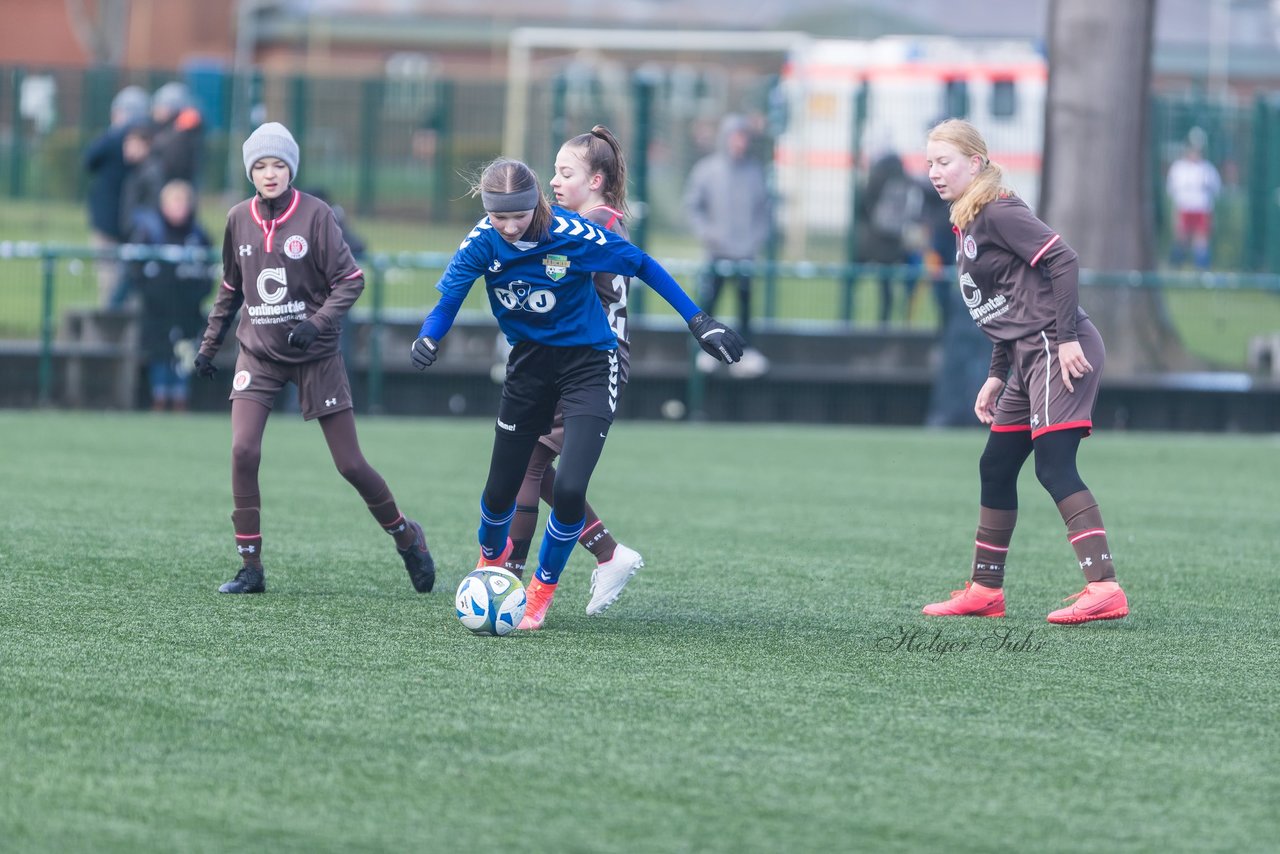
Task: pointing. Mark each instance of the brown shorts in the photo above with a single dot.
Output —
(1035, 398)
(323, 387)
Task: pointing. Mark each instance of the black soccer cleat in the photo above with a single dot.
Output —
(250, 579)
(417, 560)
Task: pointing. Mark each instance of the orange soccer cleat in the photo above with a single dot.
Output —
(1099, 600)
(497, 561)
(973, 601)
(537, 601)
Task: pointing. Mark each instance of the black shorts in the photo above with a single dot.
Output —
(554, 439)
(583, 381)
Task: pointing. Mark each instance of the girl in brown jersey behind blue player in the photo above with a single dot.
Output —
(285, 261)
(591, 180)
(1020, 283)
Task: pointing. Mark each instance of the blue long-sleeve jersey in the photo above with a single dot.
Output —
(543, 291)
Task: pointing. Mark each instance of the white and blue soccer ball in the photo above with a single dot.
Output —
(490, 601)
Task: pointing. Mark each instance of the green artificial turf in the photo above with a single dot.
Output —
(766, 683)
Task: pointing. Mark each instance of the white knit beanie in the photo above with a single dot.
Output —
(271, 140)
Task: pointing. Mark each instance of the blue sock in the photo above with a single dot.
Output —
(493, 530)
(558, 541)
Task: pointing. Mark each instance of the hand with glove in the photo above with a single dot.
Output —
(205, 366)
(716, 338)
(423, 352)
(303, 335)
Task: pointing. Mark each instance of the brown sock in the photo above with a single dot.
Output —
(523, 525)
(1087, 536)
(384, 510)
(539, 479)
(400, 530)
(596, 538)
(248, 533)
(991, 545)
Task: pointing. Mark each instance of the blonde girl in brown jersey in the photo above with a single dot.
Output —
(1020, 282)
(591, 180)
(285, 261)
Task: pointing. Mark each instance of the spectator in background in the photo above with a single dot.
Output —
(178, 140)
(107, 166)
(171, 290)
(1193, 185)
(355, 242)
(727, 205)
(889, 216)
(964, 353)
(139, 195)
(939, 243)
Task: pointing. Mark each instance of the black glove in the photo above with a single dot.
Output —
(303, 335)
(205, 366)
(716, 338)
(423, 352)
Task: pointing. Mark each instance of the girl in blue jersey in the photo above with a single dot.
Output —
(538, 263)
(591, 180)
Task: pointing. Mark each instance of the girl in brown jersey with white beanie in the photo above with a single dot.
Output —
(1020, 282)
(285, 261)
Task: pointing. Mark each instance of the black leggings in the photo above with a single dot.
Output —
(584, 437)
(1005, 453)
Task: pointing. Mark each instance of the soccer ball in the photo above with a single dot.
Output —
(490, 601)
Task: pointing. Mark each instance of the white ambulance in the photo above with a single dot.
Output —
(825, 143)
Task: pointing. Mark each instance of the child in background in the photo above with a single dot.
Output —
(172, 290)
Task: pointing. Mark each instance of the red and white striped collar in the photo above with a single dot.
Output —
(288, 212)
(269, 226)
(617, 214)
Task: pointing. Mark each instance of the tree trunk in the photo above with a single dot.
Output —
(102, 32)
(1095, 189)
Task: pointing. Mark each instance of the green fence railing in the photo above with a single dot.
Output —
(836, 314)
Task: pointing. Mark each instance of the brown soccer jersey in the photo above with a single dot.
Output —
(614, 290)
(284, 261)
(1018, 278)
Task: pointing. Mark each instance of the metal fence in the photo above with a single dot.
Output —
(392, 152)
(395, 149)
(46, 291)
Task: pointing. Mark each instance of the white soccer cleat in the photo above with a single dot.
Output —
(608, 578)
